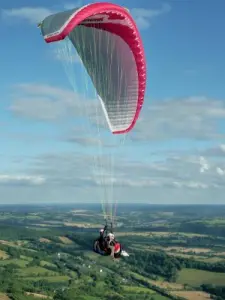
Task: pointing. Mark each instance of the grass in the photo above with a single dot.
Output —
(92, 298)
(19, 262)
(33, 271)
(160, 297)
(23, 257)
(160, 283)
(197, 257)
(91, 255)
(214, 259)
(137, 289)
(48, 278)
(185, 254)
(33, 217)
(186, 250)
(46, 263)
(215, 221)
(145, 234)
(195, 277)
(17, 244)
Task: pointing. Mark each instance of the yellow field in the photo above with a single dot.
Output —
(78, 210)
(220, 253)
(44, 240)
(146, 234)
(192, 295)
(4, 297)
(65, 240)
(199, 258)
(184, 253)
(12, 244)
(3, 255)
(167, 285)
(185, 250)
(160, 234)
(161, 284)
(45, 225)
(82, 225)
(37, 295)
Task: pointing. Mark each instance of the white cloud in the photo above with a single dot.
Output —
(189, 118)
(80, 169)
(193, 118)
(182, 176)
(218, 151)
(85, 141)
(220, 171)
(11, 180)
(143, 16)
(45, 102)
(35, 15)
(68, 175)
(32, 15)
(73, 5)
(204, 166)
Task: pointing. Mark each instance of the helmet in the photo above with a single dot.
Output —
(111, 236)
(101, 230)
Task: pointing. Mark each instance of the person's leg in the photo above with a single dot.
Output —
(112, 250)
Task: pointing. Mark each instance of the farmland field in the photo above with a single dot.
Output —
(195, 277)
(46, 257)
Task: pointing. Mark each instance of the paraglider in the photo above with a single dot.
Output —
(107, 245)
(110, 49)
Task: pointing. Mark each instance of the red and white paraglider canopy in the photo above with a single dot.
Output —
(110, 47)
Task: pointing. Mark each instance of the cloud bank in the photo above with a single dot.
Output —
(139, 173)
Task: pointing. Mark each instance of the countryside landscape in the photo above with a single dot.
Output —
(176, 252)
(112, 111)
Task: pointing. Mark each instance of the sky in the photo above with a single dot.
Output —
(176, 152)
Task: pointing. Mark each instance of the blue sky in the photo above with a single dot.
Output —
(176, 152)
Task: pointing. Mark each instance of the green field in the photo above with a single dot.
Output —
(46, 263)
(33, 271)
(49, 279)
(137, 289)
(215, 221)
(23, 257)
(20, 262)
(166, 256)
(160, 297)
(195, 277)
